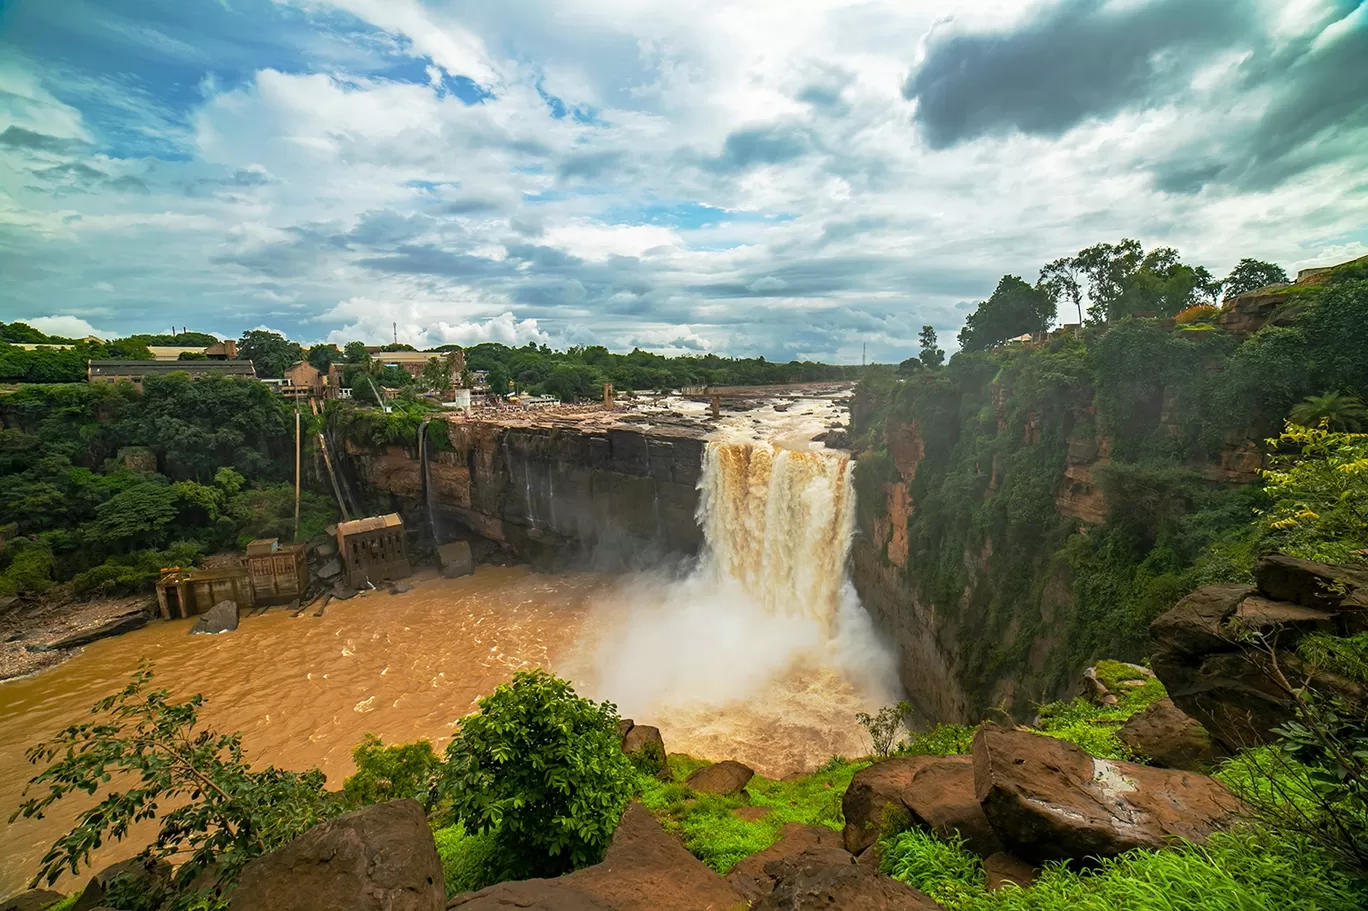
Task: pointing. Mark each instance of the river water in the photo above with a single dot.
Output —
(761, 654)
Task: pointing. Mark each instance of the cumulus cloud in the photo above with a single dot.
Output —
(793, 180)
(67, 327)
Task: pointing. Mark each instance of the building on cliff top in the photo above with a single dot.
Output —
(137, 371)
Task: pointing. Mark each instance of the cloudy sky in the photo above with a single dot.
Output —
(792, 178)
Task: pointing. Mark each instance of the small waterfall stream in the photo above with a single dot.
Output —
(424, 457)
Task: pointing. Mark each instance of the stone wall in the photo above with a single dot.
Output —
(614, 496)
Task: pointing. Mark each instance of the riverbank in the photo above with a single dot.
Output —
(38, 635)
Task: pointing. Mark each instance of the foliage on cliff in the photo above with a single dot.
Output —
(1124, 424)
(103, 485)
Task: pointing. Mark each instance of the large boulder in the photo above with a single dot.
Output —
(931, 792)
(1049, 800)
(221, 618)
(725, 777)
(1231, 687)
(813, 881)
(643, 743)
(139, 874)
(32, 900)
(645, 869)
(455, 559)
(1169, 738)
(754, 877)
(379, 858)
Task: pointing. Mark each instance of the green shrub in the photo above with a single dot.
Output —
(469, 862)
(388, 773)
(543, 769)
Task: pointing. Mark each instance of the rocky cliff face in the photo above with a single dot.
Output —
(618, 494)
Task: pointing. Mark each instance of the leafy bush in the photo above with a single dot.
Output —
(154, 751)
(469, 862)
(391, 772)
(542, 769)
(1318, 490)
(883, 728)
(131, 572)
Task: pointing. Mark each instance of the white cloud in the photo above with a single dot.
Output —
(67, 327)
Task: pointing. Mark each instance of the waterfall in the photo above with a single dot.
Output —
(423, 459)
(778, 522)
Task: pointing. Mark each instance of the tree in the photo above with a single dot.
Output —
(909, 366)
(1208, 285)
(270, 352)
(1059, 280)
(1317, 487)
(1335, 410)
(436, 375)
(321, 357)
(931, 355)
(391, 772)
(356, 353)
(146, 751)
(543, 769)
(498, 380)
(1251, 275)
(1109, 268)
(1015, 308)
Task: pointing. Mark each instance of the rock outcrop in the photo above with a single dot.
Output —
(1004, 869)
(556, 492)
(221, 618)
(137, 874)
(931, 792)
(1229, 684)
(644, 744)
(813, 880)
(725, 777)
(32, 900)
(1049, 800)
(380, 858)
(1169, 738)
(755, 876)
(645, 869)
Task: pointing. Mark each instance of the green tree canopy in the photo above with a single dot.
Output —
(1015, 308)
(931, 353)
(270, 352)
(1251, 275)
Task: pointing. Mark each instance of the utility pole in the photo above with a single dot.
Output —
(864, 354)
(296, 525)
(395, 326)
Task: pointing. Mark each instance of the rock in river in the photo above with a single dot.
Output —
(221, 618)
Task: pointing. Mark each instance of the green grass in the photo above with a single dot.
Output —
(942, 740)
(1343, 655)
(710, 830)
(1236, 871)
(65, 904)
(1094, 727)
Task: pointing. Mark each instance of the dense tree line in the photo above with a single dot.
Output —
(103, 485)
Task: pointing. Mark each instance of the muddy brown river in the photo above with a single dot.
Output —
(304, 690)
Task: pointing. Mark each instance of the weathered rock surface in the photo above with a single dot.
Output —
(221, 618)
(529, 895)
(725, 777)
(116, 626)
(1169, 738)
(646, 747)
(933, 792)
(814, 880)
(754, 877)
(1049, 800)
(32, 900)
(331, 569)
(552, 491)
(645, 869)
(1006, 869)
(1227, 685)
(455, 559)
(380, 858)
(144, 876)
